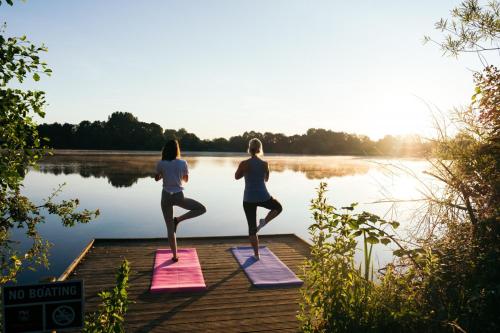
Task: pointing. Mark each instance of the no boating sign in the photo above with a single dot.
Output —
(43, 307)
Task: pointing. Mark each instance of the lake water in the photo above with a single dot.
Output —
(121, 185)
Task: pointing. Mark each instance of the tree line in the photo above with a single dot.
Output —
(123, 131)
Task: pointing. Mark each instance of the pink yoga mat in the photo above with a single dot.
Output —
(184, 275)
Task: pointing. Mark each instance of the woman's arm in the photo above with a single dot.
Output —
(185, 172)
(158, 175)
(240, 172)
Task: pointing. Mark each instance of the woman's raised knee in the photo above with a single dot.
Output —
(278, 208)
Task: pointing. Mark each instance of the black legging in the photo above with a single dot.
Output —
(251, 212)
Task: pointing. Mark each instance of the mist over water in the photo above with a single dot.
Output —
(121, 185)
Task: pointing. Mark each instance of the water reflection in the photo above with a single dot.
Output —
(120, 170)
(130, 208)
(125, 169)
(320, 167)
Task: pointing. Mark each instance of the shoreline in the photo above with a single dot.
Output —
(92, 152)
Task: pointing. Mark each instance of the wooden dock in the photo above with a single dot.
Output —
(230, 303)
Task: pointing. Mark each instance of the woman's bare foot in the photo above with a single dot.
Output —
(175, 259)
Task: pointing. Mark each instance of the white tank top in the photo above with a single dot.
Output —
(172, 173)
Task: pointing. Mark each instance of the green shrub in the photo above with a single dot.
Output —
(449, 281)
(110, 316)
(340, 296)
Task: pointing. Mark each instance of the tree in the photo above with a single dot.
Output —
(472, 28)
(20, 148)
(447, 277)
(466, 211)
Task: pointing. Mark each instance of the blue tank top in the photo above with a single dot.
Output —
(255, 186)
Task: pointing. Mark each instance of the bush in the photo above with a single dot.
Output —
(111, 313)
(340, 296)
(449, 281)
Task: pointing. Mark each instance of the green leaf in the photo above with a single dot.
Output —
(117, 316)
(353, 225)
(394, 224)
(399, 252)
(36, 77)
(385, 241)
(372, 240)
(358, 233)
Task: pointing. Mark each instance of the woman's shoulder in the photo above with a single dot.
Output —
(180, 163)
(177, 163)
(264, 164)
(243, 164)
(261, 160)
(165, 162)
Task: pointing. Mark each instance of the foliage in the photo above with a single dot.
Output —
(338, 296)
(486, 101)
(19, 138)
(471, 26)
(467, 280)
(20, 148)
(110, 316)
(468, 162)
(122, 130)
(449, 281)
(464, 290)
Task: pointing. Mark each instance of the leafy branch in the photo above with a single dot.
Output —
(470, 26)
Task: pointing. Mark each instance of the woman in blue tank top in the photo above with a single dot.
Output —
(256, 173)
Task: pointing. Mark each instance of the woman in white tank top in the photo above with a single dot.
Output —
(174, 172)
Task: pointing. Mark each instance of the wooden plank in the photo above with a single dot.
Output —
(212, 239)
(229, 304)
(75, 262)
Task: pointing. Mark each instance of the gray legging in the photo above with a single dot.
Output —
(168, 201)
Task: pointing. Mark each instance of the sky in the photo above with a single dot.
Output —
(219, 68)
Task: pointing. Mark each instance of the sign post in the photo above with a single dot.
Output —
(43, 307)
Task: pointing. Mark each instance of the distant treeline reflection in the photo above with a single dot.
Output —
(121, 171)
(123, 131)
(124, 170)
